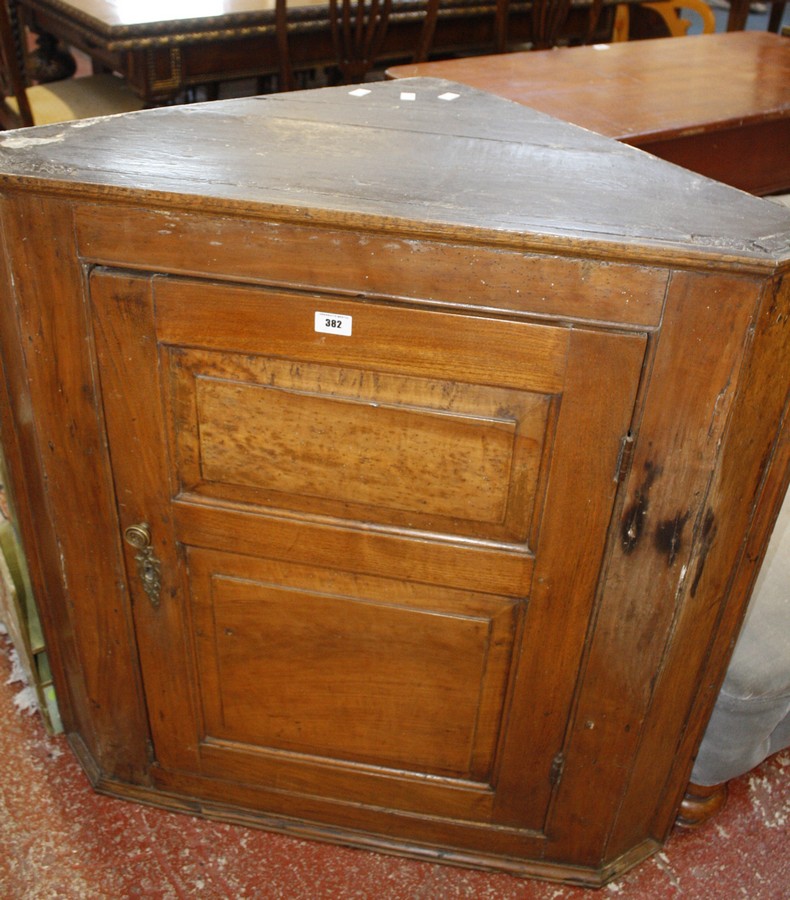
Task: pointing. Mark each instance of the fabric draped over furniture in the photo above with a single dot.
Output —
(751, 718)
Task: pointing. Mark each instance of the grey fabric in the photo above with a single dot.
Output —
(751, 719)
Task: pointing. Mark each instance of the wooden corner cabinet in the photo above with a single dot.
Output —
(393, 464)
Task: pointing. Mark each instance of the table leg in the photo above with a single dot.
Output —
(50, 61)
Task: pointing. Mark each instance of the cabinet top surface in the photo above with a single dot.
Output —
(423, 155)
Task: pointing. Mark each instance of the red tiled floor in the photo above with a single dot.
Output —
(60, 840)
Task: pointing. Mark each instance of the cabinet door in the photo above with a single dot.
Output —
(376, 534)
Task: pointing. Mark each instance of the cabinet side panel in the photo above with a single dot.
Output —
(750, 484)
(26, 486)
(73, 522)
(653, 545)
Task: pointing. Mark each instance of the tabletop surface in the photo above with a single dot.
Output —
(655, 87)
(113, 19)
(443, 158)
(121, 13)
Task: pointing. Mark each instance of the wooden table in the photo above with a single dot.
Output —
(161, 50)
(717, 104)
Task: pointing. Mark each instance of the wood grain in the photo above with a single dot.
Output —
(69, 471)
(655, 94)
(630, 198)
(460, 583)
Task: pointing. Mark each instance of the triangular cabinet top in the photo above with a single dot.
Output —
(421, 156)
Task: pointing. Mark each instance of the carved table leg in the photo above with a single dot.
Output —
(700, 803)
(50, 61)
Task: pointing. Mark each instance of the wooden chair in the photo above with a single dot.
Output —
(501, 18)
(776, 16)
(739, 13)
(425, 41)
(548, 21)
(286, 73)
(59, 101)
(358, 30)
(670, 12)
(428, 29)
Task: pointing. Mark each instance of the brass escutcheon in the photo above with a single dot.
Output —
(149, 568)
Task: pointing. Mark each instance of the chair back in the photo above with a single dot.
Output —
(358, 30)
(426, 35)
(286, 73)
(548, 19)
(671, 11)
(12, 79)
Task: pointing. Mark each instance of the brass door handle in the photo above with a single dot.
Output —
(149, 568)
(139, 536)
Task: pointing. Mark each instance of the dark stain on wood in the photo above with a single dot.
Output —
(669, 536)
(633, 522)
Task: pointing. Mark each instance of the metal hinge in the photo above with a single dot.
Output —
(557, 765)
(624, 457)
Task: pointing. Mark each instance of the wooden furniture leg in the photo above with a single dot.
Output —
(700, 804)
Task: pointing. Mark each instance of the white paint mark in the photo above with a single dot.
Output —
(760, 790)
(359, 92)
(22, 142)
(600, 46)
(661, 860)
(408, 95)
(449, 95)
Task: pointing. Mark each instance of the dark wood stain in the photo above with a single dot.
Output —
(633, 522)
(669, 536)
